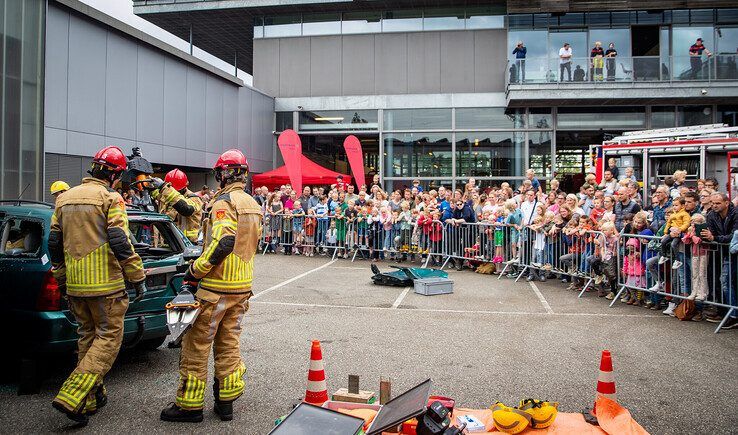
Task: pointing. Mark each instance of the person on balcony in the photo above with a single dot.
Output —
(611, 66)
(695, 57)
(598, 62)
(565, 54)
(520, 51)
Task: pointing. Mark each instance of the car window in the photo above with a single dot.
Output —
(153, 240)
(21, 238)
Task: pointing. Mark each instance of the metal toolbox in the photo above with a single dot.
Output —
(434, 286)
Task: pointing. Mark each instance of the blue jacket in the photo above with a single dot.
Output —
(520, 52)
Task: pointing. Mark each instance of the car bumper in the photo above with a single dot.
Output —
(56, 331)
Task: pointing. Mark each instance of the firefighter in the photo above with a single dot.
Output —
(179, 203)
(222, 278)
(92, 259)
(57, 188)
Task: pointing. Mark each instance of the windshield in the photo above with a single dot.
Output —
(155, 239)
(21, 238)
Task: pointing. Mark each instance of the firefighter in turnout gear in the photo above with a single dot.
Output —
(92, 259)
(179, 203)
(222, 278)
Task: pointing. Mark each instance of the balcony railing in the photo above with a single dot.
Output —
(720, 67)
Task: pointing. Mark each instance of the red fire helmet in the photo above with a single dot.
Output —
(232, 159)
(112, 157)
(177, 179)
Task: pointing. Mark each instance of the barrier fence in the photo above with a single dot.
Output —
(635, 269)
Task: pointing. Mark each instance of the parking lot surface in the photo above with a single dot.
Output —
(491, 340)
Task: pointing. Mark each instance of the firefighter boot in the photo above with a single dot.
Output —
(96, 401)
(176, 414)
(78, 417)
(224, 410)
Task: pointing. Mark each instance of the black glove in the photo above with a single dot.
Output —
(140, 288)
(155, 183)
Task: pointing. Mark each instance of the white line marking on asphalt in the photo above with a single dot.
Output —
(284, 283)
(349, 267)
(399, 299)
(431, 310)
(543, 300)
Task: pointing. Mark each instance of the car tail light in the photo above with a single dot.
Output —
(49, 299)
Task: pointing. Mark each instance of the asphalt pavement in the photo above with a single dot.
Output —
(492, 340)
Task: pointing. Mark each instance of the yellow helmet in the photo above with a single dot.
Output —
(542, 413)
(58, 187)
(509, 420)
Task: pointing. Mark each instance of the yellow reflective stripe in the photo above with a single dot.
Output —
(76, 388)
(233, 384)
(96, 288)
(171, 196)
(194, 393)
(227, 223)
(226, 285)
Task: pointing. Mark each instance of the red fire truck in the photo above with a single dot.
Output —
(704, 151)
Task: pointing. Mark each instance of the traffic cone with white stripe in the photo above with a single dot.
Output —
(317, 390)
(605, 385)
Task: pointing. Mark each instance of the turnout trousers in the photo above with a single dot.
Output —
(100, 330)
(218, 326)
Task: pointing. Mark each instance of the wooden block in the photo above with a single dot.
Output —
(385, 391)
(343, 395)
(353, 384)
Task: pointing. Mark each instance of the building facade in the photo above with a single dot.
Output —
(434, 91)
(76, 80)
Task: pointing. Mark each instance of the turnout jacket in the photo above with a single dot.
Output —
(184, 209)
(232, 231)
(89, 246)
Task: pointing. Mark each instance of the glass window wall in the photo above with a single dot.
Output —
(417, 119)
(579, 52)
(591, 118)
(694, 115)
(287, 25)
(339, 120)
(444, 19)
(728, 115)
(540, 157)
(614, 68)
(540, 118)
(418, 155)
(321, 24)
(485, 18)
(488, 154)
(663, 117)
(284, 121)
(685, 66)
(361, 22)
(489, 117)
(402, 21)
(536, 63)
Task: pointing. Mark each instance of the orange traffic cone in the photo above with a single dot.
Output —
(317, 390)
(605, 385)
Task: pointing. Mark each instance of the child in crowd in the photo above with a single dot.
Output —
(676, 226)
(387, 218)
(362, 226)
(539, 245)
(405, 230)
(699, 258)
(309, 231)
(298, 221)
(499, 235)
(287, 237)
(323, 221)
(604, 265)
(340, 220)
(633, 269)
(513, 221)
(331, 235)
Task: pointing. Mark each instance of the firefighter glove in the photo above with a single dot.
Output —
(140, 288)
(156, 183)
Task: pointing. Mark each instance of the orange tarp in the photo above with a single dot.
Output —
(613, 419)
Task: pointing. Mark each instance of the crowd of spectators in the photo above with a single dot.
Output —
(673, 240)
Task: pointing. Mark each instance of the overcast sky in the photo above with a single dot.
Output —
(123, 10)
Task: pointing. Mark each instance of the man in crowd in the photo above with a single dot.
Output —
(307, 201)
(350, 195)
(623, 207)
(722, 223)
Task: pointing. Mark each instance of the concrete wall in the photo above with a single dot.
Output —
(382, 64)
(104, 87)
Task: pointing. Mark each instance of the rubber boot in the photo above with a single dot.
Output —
(78, 417)
(224, 410)
(176, 414)
(101, 399)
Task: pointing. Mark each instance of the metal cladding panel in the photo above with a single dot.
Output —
(294, 67)
(245, 127)
(266, 65)
(86, 77)
(325, 65)
(457, 68)
(230, 117)
(174, 156)
(489, 60)
(84, 144)
(175, 103)
(55, 140)
(391, 63)
(150, 96)
(213, 115)
(424, 63)
(195, 109)
(57, 62)
(357, 74)
(120, 87)
(262, 139)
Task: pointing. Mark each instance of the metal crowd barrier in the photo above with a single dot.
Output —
(674, 271)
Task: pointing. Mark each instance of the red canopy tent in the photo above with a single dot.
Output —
(312, 174)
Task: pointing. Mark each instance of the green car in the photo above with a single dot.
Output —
(30, 301)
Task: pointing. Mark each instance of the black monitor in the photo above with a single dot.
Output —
(407, 405)
(308, 419)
